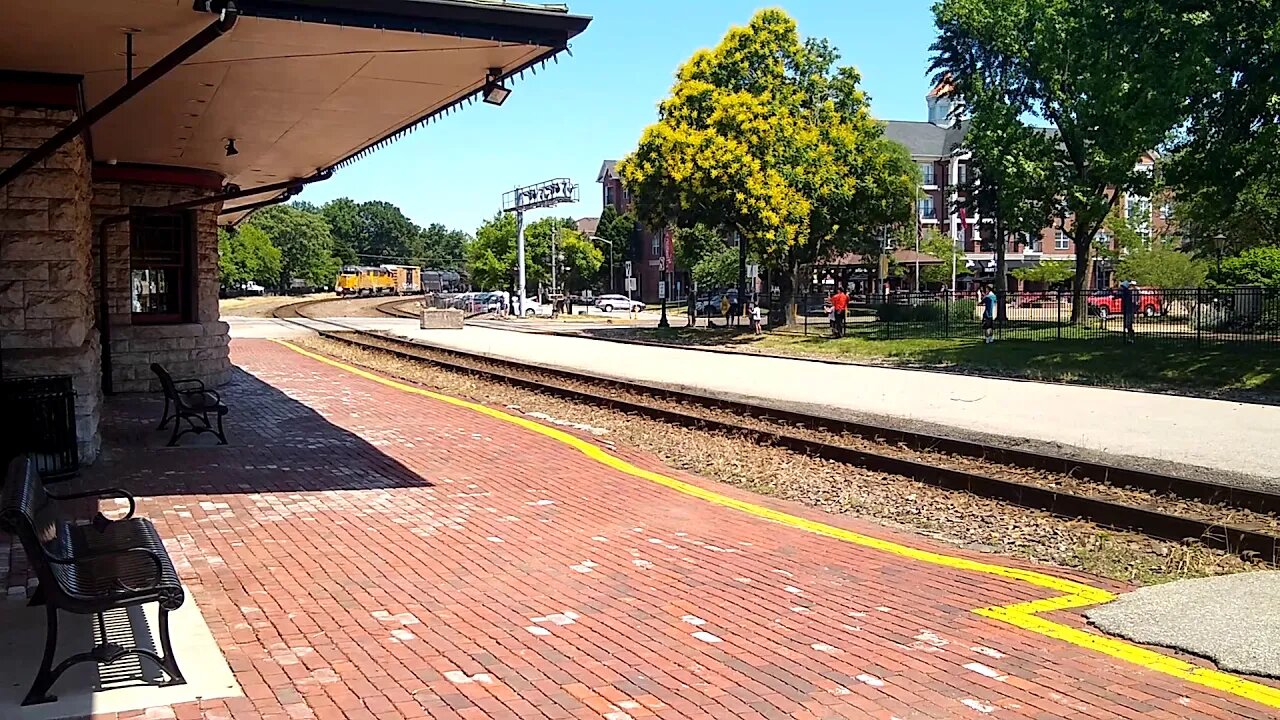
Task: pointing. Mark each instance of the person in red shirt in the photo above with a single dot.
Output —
(839, 309)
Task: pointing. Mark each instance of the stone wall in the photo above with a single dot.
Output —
(187, 350)
(46, 305)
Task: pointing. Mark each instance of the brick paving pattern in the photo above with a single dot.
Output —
(361, 552)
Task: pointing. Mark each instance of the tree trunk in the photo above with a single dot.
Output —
(1084, 268)
(787, 294)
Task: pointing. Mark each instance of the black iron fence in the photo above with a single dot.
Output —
(41, 421)
(1195, 315)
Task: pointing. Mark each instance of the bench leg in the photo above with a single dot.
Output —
(169, 663)
(177, 425)
(39, 692)
(164, 419)
(222, 437)
(37, 598)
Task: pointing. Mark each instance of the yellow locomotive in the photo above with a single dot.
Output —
(384, 280)
(362, 281)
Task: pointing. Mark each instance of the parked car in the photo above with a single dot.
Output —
(710, 304)
(608, 302)
(1106, 303)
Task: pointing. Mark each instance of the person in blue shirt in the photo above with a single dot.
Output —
(988, 312)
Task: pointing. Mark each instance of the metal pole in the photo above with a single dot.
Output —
(612, 271)
(175, 58)
(919, 230)
(555, 231)
(519, 304)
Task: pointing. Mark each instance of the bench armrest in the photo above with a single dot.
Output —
(121, 584)
(100, 493)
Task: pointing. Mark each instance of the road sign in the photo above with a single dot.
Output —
(631, 284)
(662, 289)
(753, 270)
(627, 266)
(662, 264)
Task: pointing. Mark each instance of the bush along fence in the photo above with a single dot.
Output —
(1239, 315)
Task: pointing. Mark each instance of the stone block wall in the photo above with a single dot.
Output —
(198, 349)
(46, 304)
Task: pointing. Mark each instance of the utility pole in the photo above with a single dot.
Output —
(555, 233)
(519, 304)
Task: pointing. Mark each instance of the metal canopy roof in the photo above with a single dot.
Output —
(299, 84)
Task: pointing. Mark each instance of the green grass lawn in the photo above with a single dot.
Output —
(1246, 372)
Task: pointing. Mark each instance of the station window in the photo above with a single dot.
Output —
(1060, 241)
(161, 261)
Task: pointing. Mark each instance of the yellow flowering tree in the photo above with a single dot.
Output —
(766, 135)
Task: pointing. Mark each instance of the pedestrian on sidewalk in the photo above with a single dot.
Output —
(989, 301)
(725, 308)
(755, 318)
(839, 311)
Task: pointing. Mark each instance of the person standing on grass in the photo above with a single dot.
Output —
(839, 311)
(754, 309)
(725, 308)
(989, 301)
(1128, 307)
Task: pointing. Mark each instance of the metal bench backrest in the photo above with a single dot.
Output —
(166, 380)
(26, 511)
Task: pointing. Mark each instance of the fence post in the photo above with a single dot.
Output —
(1199, 323)
(946, 314)
(1058, 304)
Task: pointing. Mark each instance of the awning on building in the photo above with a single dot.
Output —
(901, 257)
(300, 85)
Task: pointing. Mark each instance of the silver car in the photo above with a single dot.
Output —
(607, 303)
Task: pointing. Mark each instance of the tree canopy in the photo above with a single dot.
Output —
(1073, 63)
(766, 135)
(304, 241)
(491, 257)
(246, 255)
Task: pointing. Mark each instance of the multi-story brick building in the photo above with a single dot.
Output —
(646, 245)
(937, 144)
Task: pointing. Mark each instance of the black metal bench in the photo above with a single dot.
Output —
(191, 402)
(88, 569)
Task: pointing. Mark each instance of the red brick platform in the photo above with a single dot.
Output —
(363, 552)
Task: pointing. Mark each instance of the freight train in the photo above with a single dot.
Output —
(381, 280)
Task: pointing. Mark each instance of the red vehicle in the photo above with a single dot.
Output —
(1106, 303)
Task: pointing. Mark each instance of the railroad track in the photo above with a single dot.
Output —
(1229, 518)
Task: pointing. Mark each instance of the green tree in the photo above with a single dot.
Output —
(943, 248)
(246, 255)
(1255, 266)
(581, 261)
(1162, 267)
(373, 233)
(491, 257)
(620, 229)
(442, 248)
(343, 216)
(1097, 70)
(716, 269)
(1050, 272)
(1223, 169)
(1012, 168)
(766, 135)
(306, 247)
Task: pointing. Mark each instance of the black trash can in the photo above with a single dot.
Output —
(40, 420)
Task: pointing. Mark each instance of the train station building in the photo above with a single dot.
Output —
(130, 130)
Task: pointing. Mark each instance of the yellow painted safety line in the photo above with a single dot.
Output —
(1024, 615)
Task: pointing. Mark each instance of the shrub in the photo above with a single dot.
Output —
(961, 311)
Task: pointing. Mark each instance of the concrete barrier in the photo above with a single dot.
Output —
(434, 319)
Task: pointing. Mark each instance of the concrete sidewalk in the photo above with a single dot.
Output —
(1236, 438)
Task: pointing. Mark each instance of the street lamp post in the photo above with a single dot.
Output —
(611, 283)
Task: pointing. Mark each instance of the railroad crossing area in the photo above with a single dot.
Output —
(365, 547)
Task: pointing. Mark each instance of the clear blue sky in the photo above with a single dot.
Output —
(592, 106)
